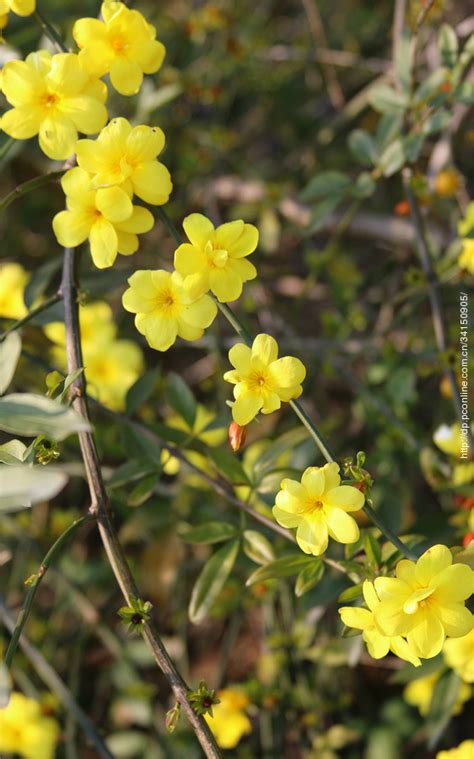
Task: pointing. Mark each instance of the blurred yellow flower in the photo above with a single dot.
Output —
(466, 225)
(20, 7)
(419, 693)
(425, 601)
(111, 366)
(164, 310)
(229, 722)
(318, 507)
(459, 655)
(211, 437)
(466, 257)
(104, 216)
(55, 97)
(463, 474)
(448, 439)
(126, 156)
(262, 380)
(124, 44)
(465, 750)
(378, 644)
(447, 183)
(24, 731)
(215, 259)
(13, 279)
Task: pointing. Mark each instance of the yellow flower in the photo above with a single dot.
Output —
(55, 97)
(447, 183)
(106, 217)
(425, 601)
(199, 431)
(214, 259)
(13, 279)
(20, 7)
(466, 258)
(318, 507)
(229, 722)
(25, 731)
(466, 225)
(123, 44)
(126, 156)
(164, 310)
(262, 380)
(465, 750)
(448, 439)
(463, 474)
(111, 366)
(378, 644)
(419, 693)
(459, 655)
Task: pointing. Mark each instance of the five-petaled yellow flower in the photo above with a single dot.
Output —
(126, 156)
(124, 44)
(419, 693)
(13, 279)
(465, 750)
(53, 96)
(106, 217)
(25, 731)
(318, 507)
(20, 7)
(164, 310)
(425, 601)
(262, 380)
(459, 655)
(229, 722)
(215, 259)
(378, 644)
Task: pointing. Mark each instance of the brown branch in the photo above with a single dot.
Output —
(100, 510)
(318, 34)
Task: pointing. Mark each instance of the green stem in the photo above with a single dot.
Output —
(374, 517)
(33, 589)
(6, 147)
(29, 186)
(31, 314)
(49, 31)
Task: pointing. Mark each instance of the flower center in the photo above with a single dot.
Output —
(216, 257)
(418, 600)
(258, 382)
(49, 99)
(119, 44)
(166, 301)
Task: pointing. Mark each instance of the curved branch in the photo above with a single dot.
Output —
(29, 186)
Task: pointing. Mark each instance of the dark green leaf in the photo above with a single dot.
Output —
(228, 465)
(443, 702)
(143, 490)
(448, 45)
(372, 548)
(10, 350)
(388, 129)
(325, 184)
(40, 281)
(30, 415)
(362, 146)
(309, 577)
(209, 532)
(269, 458)
(286, 566)
(320, 213)
(365, 185)
(141, 391)
(130, 471)
(181, 399)
(211, 580)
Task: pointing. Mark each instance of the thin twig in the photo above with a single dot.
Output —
(318, 34)
(49, 31)
(29, 186)
(32, 314)
(56, 685)
(99, 509)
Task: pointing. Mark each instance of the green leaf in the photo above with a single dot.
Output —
(10, 350)
(404, 60)
(23, 485)
(365, 185)
(181, 399)
(309, 577)
(70, 379)
(209, 532)
(388, 128)
(269, 458)
(430, 86)
(448, 45)
(392, 158)
(436, 122)
(141, 390)
(229, 465)
(40, 280)
(286, 566)
(442, 706)
(30, 415)
(372, 548)
(131, 471)
(362, 146)
(257, 547)
(351, 594)
(143, 490)
(412, 145)
(12, 452)
(320, 213)
(211, 580)
(385, 99)
(327, 183)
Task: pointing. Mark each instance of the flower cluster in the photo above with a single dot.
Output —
(111, 365)
(25, 731)
(319, 507)
(424, 603)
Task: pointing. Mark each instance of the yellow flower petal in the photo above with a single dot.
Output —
(246, 408)
(198, 229)
(104, 244)
(21, 123)
(114, 204)
(227, 234)
(285, 518)
(126, 76)
(288, 371)
(225, 285)
(144, 143)
(352, 616)
(341, 526)
(239, 357)
(159, 331)
(313, 481)
(87, 114)
(427, 638)
(58, 137)
(138, 223)
(345, 497)
(433, 561)
(265, 348)
(71, 228)
(246, 243)
(312, 536)
(152, 183)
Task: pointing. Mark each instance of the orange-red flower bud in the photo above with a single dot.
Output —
(237, 436)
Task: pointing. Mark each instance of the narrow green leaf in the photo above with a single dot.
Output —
(141, 391)
(284, 443)
(372, 548)
(23, 485)
(388, 129)
(143, 490)
(181, 399)
(211, 580)
(404, 60)
(228, 464)
(257, 547)
(130, 471)
(309, 577)
(209, 532)
(351, 594)
(10, 350)
(442, 706)
(12, 452)
(30, 415)
(286, 566)
(448, 45)
(40, 281)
